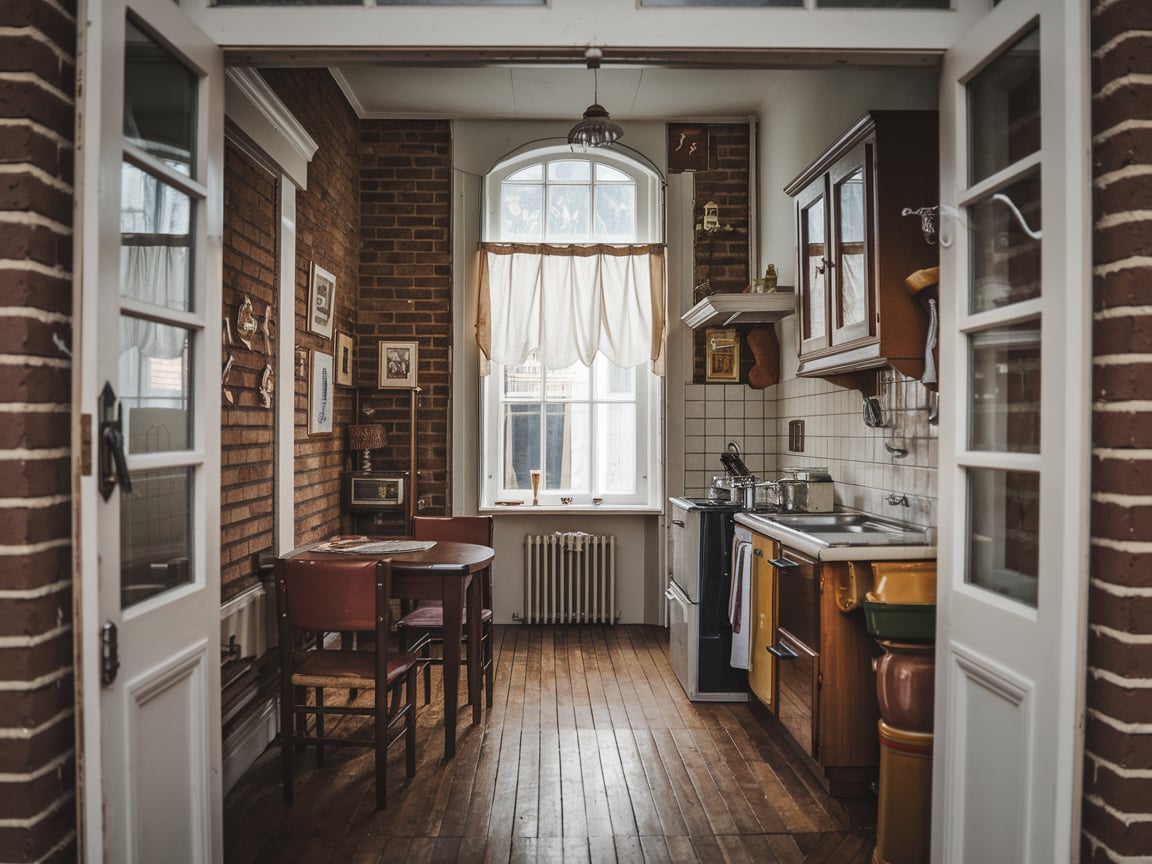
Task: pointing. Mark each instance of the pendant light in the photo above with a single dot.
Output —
(596, 129)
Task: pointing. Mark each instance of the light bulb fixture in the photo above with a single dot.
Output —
(596, 128)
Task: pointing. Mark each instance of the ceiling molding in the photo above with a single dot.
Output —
(257, 110)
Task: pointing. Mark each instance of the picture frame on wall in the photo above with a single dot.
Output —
(397, 364)
(321, 301)
(321, 390)
(722, 355)
(687, 147)
(343, 359)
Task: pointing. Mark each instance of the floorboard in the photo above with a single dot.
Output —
(590, 753)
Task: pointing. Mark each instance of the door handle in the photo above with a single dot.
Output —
(782, 563)
(781, 651)
(679, 523)
(109, 653)
(112, 462)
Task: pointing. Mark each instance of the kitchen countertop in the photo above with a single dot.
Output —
(913, 548)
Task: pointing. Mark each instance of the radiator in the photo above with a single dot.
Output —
(570, 578)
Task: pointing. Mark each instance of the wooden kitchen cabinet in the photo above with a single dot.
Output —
(762, 668)
(856, 248)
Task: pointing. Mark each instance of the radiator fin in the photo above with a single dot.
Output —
(570, 578)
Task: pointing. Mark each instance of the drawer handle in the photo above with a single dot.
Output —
(783, 652)
(678, 523)
(782, 563)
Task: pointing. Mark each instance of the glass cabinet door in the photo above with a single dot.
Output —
(850, 275)
(813, 268)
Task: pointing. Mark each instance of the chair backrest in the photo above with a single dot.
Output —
(334, 594)
(461, 529)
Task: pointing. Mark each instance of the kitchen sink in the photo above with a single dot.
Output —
(850, 529)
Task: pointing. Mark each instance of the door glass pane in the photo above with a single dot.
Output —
(812, 248)
(568, 447)
(521, 445)
(1004, 408)
(1005, 258)
(850, 237)
(1004, 532)
(616, 437)
(154, 386)
(1004, 109)
(155, 534)
(159, 100)
(155, 241)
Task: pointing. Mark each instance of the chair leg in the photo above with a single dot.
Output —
(489, 673)
(286, 742)
(319, 728)
(427, 655)
(410, 723)
(380, 745)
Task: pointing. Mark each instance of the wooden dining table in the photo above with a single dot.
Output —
(448, 572)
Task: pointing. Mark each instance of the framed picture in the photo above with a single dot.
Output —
(722, 355)
(321, 301)
(397, 364)
(321, 390)
(343, 359)
(687, 148)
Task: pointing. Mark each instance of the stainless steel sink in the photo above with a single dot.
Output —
(851, 529)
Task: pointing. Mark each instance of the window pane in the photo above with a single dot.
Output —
(1005, 259)
(612, 381)
(608, 174)
(850, 219)
(155, 532)
(568, 384)
(569, 448)
(533, 173)
(814, 253)
(1003, 532)
(1004, 109)
(568, 214)
(520, 213)
(1005, 391)
(616, 436)
(570, 171)
(154, 369)
(615, 214)
(155, 239)
(523, 382)
(521, 445)
(159, 99)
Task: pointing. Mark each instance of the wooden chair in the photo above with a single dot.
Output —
(343, 594)
(422, 627)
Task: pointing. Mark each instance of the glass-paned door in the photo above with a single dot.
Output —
(1013, 475)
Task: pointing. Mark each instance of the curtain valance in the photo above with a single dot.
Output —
(566, 302)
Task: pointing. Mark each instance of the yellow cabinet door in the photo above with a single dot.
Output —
(762, 670)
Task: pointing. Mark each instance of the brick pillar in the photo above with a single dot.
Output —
(1118, 729)
(37, 710)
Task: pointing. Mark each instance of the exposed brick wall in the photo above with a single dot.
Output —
(37, 714)
(1118, 743)
(247, 435)
(406, 289)
(328, 233)
(721, 258)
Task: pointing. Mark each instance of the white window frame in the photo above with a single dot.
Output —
(649, 387)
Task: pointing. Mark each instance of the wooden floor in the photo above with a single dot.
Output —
(590, 753)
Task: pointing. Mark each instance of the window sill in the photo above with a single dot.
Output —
(572, 509)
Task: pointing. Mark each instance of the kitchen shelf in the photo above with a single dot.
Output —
(720, 310)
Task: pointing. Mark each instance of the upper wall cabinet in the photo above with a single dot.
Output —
(856, 248)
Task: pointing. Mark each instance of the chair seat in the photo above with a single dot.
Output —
(432, 618)
(352, 669)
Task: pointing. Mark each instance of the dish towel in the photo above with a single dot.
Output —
(738, 612)
(930, 361)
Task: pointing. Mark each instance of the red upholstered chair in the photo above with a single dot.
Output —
(341, 594)
(422, 627)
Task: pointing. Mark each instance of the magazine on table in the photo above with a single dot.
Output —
(368, 546)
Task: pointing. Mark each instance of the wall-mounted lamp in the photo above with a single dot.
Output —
(366, 437)
(711, 217)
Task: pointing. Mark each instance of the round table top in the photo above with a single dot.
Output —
(445, 553)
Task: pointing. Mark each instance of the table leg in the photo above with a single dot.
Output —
(475, 654)
(452, 590)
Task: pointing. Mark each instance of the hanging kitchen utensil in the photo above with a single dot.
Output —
(732, 461)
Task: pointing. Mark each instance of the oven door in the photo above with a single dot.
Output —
(798, 700)
(682, 637)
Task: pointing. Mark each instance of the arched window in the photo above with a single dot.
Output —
(592, 431)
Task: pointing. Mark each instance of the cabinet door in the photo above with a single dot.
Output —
(762, 672)
(812, 267)
(850, 273)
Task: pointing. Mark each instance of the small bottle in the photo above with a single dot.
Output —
(770, 279)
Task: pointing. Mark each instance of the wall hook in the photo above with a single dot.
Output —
(927, 221)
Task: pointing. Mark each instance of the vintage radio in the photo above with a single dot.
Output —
(370, 491)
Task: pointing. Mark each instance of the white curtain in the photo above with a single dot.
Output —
(157, 275)
(568, 302)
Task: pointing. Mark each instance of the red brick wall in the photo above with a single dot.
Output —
(247, 434)
(406, 289)
(328, 233)
(37, 795)
(1118, 738)
(722, 257)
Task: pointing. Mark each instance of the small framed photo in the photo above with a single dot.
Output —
(687, 147)
(397, 364)
(321, 391)
(321, 301)
(722, 355)
(343, 359)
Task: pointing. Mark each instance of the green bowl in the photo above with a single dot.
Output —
(909, 622)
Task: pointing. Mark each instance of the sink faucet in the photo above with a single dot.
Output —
(895, 499)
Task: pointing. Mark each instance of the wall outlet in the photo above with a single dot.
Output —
(796, 436)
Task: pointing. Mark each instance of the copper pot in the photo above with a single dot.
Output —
(905, 681)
